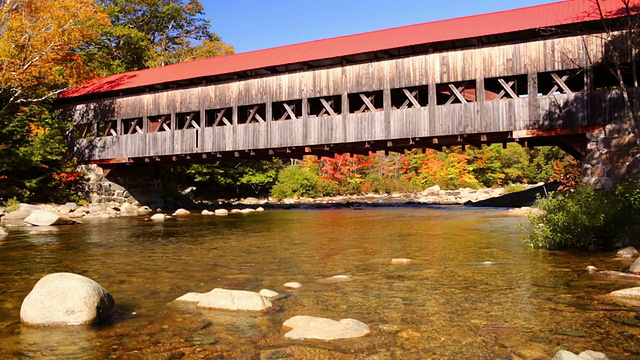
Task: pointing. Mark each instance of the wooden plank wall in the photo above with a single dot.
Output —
(422, 70)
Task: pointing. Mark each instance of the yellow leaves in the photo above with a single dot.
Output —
(39, 41)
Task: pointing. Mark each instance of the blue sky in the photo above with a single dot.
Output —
(259, 24)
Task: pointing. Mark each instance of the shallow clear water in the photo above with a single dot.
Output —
(447, 304)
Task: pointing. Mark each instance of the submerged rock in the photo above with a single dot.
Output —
(401, 261)
(223, 299)
(628, 252)
(234, 300)
(336, 279)
(3, 231)
(48, 218)
(310, 327)
(66, 299)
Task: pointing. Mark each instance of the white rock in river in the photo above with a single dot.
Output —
(628, 252)
(65, 299)
(221, 212)
(191, 297)
(592, 355)
(293, 285)
(310, 327)
(566, 355)
(47, 218)
(401, 261)
(181, 212)
(635, 267)
(627, 293)
(206, 212)
(268, 293)
(336, 279)
(158, 217)
(234, 300)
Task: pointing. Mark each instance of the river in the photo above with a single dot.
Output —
(473, 290)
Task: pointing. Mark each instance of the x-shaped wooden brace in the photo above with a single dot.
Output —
(109, 131)
(410, 99)
(253, 115)
(220, 117)
(507, 89)
(289, 111)
(457, 94)
(328, 107)
(560, 82)
(134, 126)
(367, 100)
(190, 121)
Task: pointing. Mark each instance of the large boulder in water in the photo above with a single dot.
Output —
(66, 299)
(310, 327)
(48, 218)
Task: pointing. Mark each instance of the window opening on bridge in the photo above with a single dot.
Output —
(108, 128)
(160, 123)
(603, 77)
(365, 102)
(251, 114)
(287, 110)
(84, 130)
(325, 106)
(132, 126)
(456, 93)
(189, 120)
(410, 97)
(560, 82)
(510, 87)
(218, 117)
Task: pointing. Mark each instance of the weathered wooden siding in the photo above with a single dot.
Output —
(471, 65)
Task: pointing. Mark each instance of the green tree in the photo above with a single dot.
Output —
(150, 33)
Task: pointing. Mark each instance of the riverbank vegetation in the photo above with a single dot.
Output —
(417, 170)
(588, 218)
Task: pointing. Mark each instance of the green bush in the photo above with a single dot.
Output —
(586, 218)
(295, 181)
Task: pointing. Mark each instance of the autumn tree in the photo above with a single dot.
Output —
(39, 42)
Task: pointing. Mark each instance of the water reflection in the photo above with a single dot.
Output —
(472, 291)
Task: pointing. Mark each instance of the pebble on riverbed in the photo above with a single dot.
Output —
(401, 261)
(293, 285)
(311, 327)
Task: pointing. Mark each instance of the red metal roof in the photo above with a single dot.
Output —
(534, 17)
